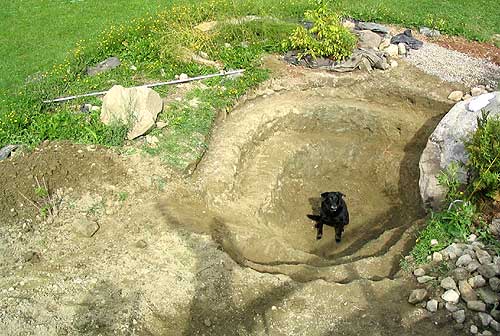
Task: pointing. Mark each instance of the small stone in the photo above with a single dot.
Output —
(495, 284)
(460, 274)
(417, 295)
(466, 291)
(472, 238)
(495, 325)
(473, 329)
(448, 283)
(476, 306)
(152, 140)
(432, 305)
(419, 272)
(451, 307)
(464, 260)
(161, 124)
(85, 227)
(393, 64)
(474, 265)
(434, 242)
(402, 49)
(207, 322)
(141, 244)
(386, 43)
(31, 256)
(227, 45)
(488, 296)
(487, 333)
(451, 296)
(459, 316)
(477, 91)
(477, 281)
(483, 257)
(429, 32)
(348, 24)
(391, 50)
(203, 54)
(425, 278)
(437, 257)
(456, 96)
(467, 97)
(452, 255)
(488, 270)
(133, 68)
(183, 76)
(485, 319)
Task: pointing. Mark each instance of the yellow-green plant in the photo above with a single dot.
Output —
(326, 38)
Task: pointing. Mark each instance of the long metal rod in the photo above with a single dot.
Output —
(177, 81)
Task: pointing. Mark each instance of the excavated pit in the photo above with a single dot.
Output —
(270, 159)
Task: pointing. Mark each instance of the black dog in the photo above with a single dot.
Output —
(333, 213)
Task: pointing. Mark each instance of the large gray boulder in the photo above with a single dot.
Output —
(446, 144)
(137, 107)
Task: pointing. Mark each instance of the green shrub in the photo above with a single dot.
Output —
(484, 156)
(327, 37)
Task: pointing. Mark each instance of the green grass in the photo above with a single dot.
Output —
(36, 34)
(477, 20)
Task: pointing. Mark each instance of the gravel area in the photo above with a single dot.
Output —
(454, 66)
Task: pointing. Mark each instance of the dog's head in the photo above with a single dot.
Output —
(332, 200)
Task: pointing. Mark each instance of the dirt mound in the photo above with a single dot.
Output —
(62, 165)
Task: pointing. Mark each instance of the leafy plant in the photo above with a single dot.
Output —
(326, 38)
(484, 156)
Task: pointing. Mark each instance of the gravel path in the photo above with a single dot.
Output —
(453, 66)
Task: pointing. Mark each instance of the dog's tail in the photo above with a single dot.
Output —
(314, 217)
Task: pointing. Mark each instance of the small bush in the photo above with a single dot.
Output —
(484, 157)
(327, 37)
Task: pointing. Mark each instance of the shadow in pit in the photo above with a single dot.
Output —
(399, 216)
(106, 311)
(214, 309)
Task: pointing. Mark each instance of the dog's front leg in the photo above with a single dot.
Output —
(338, 232)
(319, 226)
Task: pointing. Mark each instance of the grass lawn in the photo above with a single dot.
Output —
(36, 34)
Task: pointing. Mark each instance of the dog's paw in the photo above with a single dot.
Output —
(337, 240)
(318, 237)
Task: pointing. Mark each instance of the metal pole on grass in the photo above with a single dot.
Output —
(177, 81)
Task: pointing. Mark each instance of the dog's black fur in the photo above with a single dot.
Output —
(333, 212)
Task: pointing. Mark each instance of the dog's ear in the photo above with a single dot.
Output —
(325, 194)
(340, 194)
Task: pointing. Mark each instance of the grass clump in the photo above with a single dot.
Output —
(326, 38)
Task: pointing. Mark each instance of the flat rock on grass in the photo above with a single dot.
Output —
(137, 107)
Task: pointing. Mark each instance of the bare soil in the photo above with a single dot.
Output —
(228, 250)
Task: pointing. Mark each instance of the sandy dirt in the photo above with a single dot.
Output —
(136, 248)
